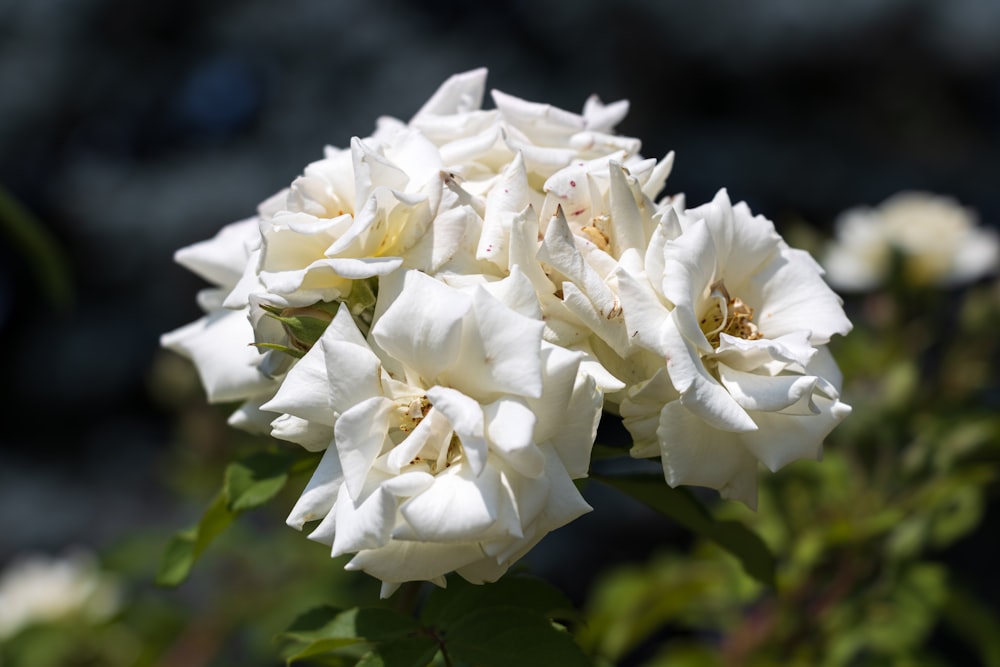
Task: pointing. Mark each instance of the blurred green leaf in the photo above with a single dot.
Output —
(974, 622)
(326, 629)
(247, 483)
(186, 546)
(39, 247)
(684, 508)
(505, 636)
(252, 481)
(448, 605)
(416, 651)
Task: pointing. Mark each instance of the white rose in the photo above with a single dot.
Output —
(739, 318)
(937, 240)
(219, 342)
(455, 433)
(36, 588)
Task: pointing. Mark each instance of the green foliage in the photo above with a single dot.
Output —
(186, 546)
(858, 540)
(32, 240)
(248, 483)
(252, 481)
(514, 621)
(682, 507)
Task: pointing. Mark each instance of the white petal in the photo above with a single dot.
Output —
(568, 411)
(537, 119)
(764, 392)
(641, 413)
(320, 493)
(658, 178)
(694, 453)
(793, 296)
(367, 525)
(312, 436)
(505, 200)
(441, 241)
(646, 317)
(510, 426)
(373, 170)
(627, 230)
(784, 438)
(219, 346)
(423, 325)
(359, 434)
(400, 561)
(604, 117)
(222, 259)
(408, 484)
(250, 418)
(563, 504)
(501, 353)
(466, 417)
(700, 392)
(460, 93)
(790, 350)
(517, 293)
(458, 507)
(363, 267)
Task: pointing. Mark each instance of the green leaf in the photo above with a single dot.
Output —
(370, 624)
(684, 508)
(448, 605)
(44, 256)
(505, 636)
(256, 479)
(975, 622)
(416, 651)
(186, 546)
(325, 629)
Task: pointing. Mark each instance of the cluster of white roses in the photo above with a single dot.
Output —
(448, 307)
(934, 238)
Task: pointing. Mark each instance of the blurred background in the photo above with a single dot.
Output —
(128, 130)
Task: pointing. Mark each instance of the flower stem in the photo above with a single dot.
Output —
(408, 597)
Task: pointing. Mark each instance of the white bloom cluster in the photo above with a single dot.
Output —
(447, 308)
(935, 238)
(35, 588)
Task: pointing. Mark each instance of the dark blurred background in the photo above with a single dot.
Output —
(131, 129)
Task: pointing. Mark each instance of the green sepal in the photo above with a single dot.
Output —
(302, 325)
(298, 354)
(364, 294)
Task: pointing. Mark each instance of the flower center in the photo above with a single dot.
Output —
(727, 315)
(413, 413)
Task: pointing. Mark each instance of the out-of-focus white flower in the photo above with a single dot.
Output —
(936, 239)
(455, 434)
(219, 342)
(39, 589)
(739, 318)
